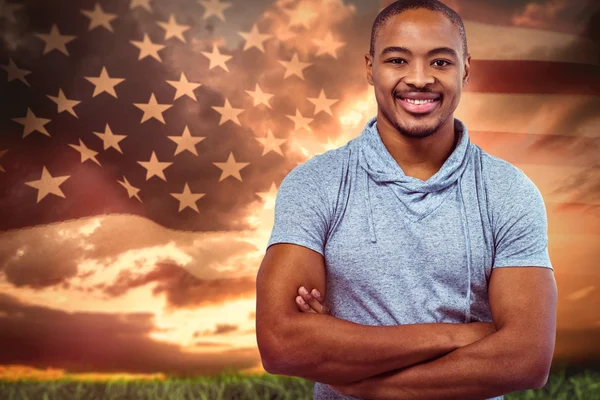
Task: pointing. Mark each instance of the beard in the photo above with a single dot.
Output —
(417, 130)
(417, 127)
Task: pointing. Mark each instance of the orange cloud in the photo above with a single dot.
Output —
(104, 343)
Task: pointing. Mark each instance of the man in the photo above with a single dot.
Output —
(408, 232)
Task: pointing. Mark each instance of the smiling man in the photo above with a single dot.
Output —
(430, 254)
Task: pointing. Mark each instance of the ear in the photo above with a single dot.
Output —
(467, 72)
(369, 65)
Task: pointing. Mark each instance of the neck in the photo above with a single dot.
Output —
(419, 157)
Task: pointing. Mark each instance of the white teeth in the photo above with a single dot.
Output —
(418, 101)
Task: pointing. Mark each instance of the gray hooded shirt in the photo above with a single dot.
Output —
(399, 250)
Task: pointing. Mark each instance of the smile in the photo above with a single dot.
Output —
(419, 106)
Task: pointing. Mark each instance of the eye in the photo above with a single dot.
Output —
(395, 59)
(444, 61)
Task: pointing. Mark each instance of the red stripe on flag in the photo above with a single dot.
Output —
(540, 77)
(524, 148)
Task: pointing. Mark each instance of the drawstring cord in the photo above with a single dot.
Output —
(370, 210)
(468, 244)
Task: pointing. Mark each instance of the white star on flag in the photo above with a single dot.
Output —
(187, 198)
(110, 139)
(254, 39)
(131, 190)
(294, 67)
(64, 104)
(54, 40)
(260, 97)
(148, 48)
(228, 113)
(271, 143)
(155, 167)
(15, 72)
(214, 7)
(231, 168)
(216, 58)
(186, 142)
(32, 123)
(173, 29)
(328, 45)
(300, 121)
(303, 15)
(153, 109)
(104, 83)
(99, 18)
(48, 185)
(184, 87)
(322, 103)
(86, 153)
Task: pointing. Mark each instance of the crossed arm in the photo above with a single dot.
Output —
(516, 357)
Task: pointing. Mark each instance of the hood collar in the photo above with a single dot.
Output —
(419, 198)
(383, 168)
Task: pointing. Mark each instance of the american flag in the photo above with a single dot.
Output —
(142, 143)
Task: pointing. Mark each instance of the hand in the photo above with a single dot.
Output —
(311, 302)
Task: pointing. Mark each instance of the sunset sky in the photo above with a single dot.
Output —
(147, 284)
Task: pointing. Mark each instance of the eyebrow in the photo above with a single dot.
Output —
(400, 49)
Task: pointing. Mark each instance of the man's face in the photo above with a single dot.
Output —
(398, 76)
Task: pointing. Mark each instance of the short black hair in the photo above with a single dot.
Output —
(400, 6)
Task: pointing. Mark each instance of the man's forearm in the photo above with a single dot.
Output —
(493, 366)
(325, 349)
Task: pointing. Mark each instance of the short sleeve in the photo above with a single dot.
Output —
(301, 210)
(521, 227)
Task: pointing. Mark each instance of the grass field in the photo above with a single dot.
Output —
(562, 385)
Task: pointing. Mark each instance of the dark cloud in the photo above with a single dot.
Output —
(557, 15)
(182, 289)
(49, 255)
(127, 279)
(553, 15)
(210, 344)
(221, 329)
(95, 342)
(38, 260)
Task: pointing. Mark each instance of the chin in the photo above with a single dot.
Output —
(418, 128)
(419, 132)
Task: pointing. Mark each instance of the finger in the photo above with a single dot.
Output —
(303, 306)
(311, 301)
(317, 295)
(324, 309)
(321, 307)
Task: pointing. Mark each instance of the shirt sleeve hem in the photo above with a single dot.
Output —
(297, 240)
(528, 262)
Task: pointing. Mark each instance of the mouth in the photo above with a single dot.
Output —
(419, 106)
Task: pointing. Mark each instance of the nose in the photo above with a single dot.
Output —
(418, 74)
